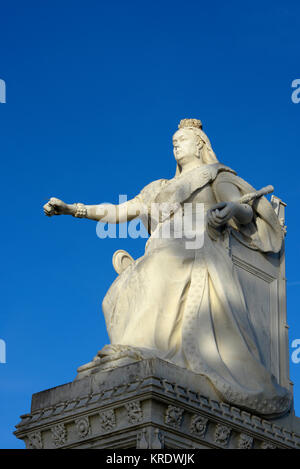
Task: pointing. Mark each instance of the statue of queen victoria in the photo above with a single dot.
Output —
(183, 302)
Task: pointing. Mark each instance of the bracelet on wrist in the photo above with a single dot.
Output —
(80, 211)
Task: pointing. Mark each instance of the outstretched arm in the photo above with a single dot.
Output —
(108, 213)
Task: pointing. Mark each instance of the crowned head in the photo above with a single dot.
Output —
(191, 143)
(190, 124)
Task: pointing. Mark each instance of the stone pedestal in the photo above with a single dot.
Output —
(148, 404)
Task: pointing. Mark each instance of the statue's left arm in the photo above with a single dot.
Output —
(229, 207)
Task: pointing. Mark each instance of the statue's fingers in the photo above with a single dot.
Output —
(213, 224)
(211, 220)
(224, 213)
(219, 206)
(211, 215)
(47, 208)
(55, 208)
(54, 201)
(218, 222)
(217, 218)
(48, 213)
(227, 217)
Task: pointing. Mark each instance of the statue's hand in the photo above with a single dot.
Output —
(55, 207)
(221, 213)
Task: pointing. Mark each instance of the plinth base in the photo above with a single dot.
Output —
(149, 404)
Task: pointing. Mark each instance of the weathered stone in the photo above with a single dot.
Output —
(199, 346)
(141, 416)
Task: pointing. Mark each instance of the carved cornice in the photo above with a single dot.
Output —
(200, 415)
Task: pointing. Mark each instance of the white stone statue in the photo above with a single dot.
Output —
(186, 305)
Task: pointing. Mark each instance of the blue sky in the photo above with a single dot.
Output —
(95, 91)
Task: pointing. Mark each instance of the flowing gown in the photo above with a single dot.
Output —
(186, 305)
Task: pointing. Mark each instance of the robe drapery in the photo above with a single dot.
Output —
(187, 306)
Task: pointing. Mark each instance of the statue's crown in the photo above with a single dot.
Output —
(190, 123)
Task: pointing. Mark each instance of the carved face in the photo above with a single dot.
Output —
(187, 146)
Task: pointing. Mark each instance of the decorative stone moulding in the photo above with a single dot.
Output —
(149, 412)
